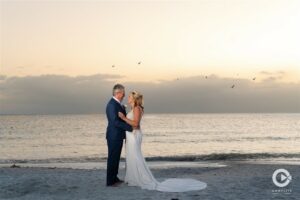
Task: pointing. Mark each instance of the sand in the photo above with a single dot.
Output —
(226, 180)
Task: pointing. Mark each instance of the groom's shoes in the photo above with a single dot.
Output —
(116, 184)
(120, 181)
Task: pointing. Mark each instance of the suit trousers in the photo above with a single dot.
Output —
(113, 160)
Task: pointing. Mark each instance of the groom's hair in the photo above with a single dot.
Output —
(118, 87)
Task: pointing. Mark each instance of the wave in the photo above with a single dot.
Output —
(224, 156)
(207, 157)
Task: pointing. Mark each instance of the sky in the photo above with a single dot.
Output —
(49, 47)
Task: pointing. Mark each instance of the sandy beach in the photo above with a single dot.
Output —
(225, 179)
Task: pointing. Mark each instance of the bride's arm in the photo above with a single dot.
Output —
(137, 117)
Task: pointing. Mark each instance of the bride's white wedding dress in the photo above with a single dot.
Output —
(139, 174)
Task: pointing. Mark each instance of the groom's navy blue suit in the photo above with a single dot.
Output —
(115, 133)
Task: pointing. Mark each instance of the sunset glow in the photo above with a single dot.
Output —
(171, 39)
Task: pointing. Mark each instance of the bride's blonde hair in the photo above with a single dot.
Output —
(138, 99)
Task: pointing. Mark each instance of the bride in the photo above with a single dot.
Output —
(137, 171)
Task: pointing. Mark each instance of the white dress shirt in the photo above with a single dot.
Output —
(117, 100)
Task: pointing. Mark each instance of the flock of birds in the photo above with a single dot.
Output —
(206, 77)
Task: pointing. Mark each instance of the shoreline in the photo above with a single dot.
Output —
(102, 165)
(168, 158)
(152, 163)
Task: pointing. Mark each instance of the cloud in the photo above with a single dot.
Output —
(272, 73)
(60, 94)
(272, 76)
(265, 73)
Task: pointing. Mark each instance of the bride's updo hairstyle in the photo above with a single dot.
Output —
(137, 99)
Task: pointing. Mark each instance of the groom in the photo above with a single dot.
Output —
(115, 133)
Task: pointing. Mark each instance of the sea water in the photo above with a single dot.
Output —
(81, 138)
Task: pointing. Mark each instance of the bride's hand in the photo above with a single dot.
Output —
(136, 127)
(121, 115)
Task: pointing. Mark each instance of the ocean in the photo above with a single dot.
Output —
(81, 138)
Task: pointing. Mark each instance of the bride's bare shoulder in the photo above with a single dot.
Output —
(137, 108)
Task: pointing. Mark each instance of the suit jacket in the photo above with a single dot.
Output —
(116, 127)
